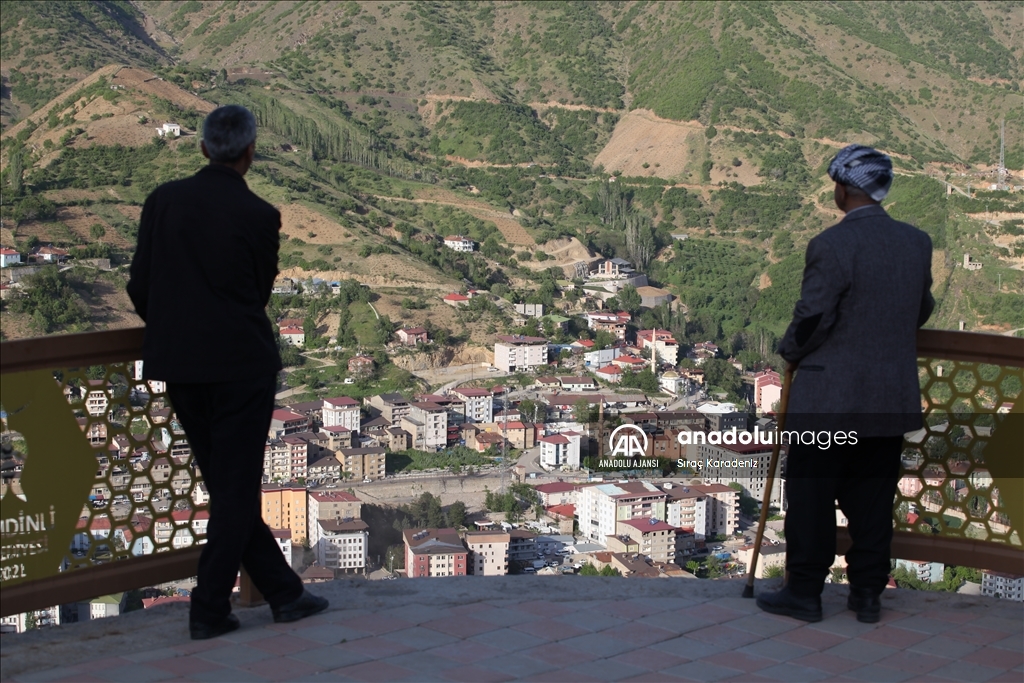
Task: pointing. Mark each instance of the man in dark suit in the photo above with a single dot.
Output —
(866, 291)
(201, 277)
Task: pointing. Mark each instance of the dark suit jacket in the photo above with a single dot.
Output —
(866, 290)
(201, 278)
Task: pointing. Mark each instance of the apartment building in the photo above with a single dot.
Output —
(722, 417)
(751, 474)
(708, 509)
(767, 390)
(434, 553)
(284, 421)
(600, 507)
(393, 407)
(341, 412)
(661, 343)
(478, 404)
(613, 323)
(488, 552)
(285, 507)
(336, 505)
(298, 456)
(277, 461)
(1005, 586)
(427, 423)
(930, 572)
(656, 538)
(324, 470)
(557, 493)
(560, 451)
(182, 529)
(362, 463)
(517, 352)
(283, 538)
(341, 545)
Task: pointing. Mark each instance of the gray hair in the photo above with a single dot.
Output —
(228, 131)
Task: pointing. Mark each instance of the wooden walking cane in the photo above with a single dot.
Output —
(748, 590)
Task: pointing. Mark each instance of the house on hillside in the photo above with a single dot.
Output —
(9, 257)
(456, 300)
(169, 130)
(49, 254)
(295, 336)
(411, 336)
(459, 243)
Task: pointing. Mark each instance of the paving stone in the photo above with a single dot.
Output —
(724, 636)
(764, 625)
(280, 668)
(234, 655)
(331, 634)
(916, 663)
(996, 657)
(878, 674)
(518, 665)
(330, 657)
(775, 650)
(605, 670)
(861, 650)
(377, 671)
(925, 625)
(599, 644)
(420, 638)
(651, 660)
(675, 621)
(475, 674)
(943, 646)
(376, 648)
(592, 620)
(688, 648)
(794, 673)
(966, 671)
(702, 670)
(508, 639)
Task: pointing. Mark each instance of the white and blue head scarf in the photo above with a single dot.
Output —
(864, 168)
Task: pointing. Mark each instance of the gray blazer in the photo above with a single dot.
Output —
(865, 292)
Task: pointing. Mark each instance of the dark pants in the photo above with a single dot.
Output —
(863, 479)
(227, 425)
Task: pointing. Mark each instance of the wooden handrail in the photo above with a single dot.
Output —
(72, 350)
(104, 579)
(971, 347)
(968, 552)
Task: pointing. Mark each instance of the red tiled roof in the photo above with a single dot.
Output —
(555, 487)
(554, 438)
(646, 525)
(341, 401)
(567, 510)
(610, 370)
(455, 297)
(285, 415)
(292, 330)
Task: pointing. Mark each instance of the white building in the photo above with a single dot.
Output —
(284, 542)
(427, 423)
(293, 335)
(1005, 586)
(767, 390)
(9, 257)
(530, 310)
(342, 545)
(516, 352)
(478, 404)
(19, 623)
(600, 507)
(169, 130)
(931, 572)
(596, 360)
(560, 451)
(488, 552)
(459, 243)
(660, 342)
(672, 382)
(707, 509)
(342, 412)
(155, 386)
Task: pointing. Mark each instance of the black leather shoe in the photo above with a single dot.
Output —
(866, 604)
(202, 631)
(306, 606)
(788, 605)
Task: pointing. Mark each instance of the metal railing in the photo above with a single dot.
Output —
(134, 434)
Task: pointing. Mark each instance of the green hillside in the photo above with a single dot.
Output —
(526, 125)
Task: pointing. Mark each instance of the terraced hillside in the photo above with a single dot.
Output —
(546, 132)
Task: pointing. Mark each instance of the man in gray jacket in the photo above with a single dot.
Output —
(865, 293)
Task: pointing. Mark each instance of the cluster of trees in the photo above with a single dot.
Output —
(513, 502)
(50, 300)
(952, 579)
(454, 459)
(426, 512)
(590, 570)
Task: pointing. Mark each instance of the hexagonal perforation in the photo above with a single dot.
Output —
(143, 478)
(945, 481)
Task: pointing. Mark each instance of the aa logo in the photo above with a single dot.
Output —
(628, 441)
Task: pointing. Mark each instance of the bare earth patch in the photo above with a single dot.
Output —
(641, 137)
(298, 221)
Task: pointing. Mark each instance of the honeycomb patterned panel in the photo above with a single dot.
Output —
(147, 496)
(945, 488)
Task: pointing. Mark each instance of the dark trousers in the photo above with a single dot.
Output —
(227, 424)
(863, 479)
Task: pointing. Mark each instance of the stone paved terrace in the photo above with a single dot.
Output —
(545, 629)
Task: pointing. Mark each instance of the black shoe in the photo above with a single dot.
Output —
(306, 606)
(788, 605)
(203, 631)
(866, 604)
